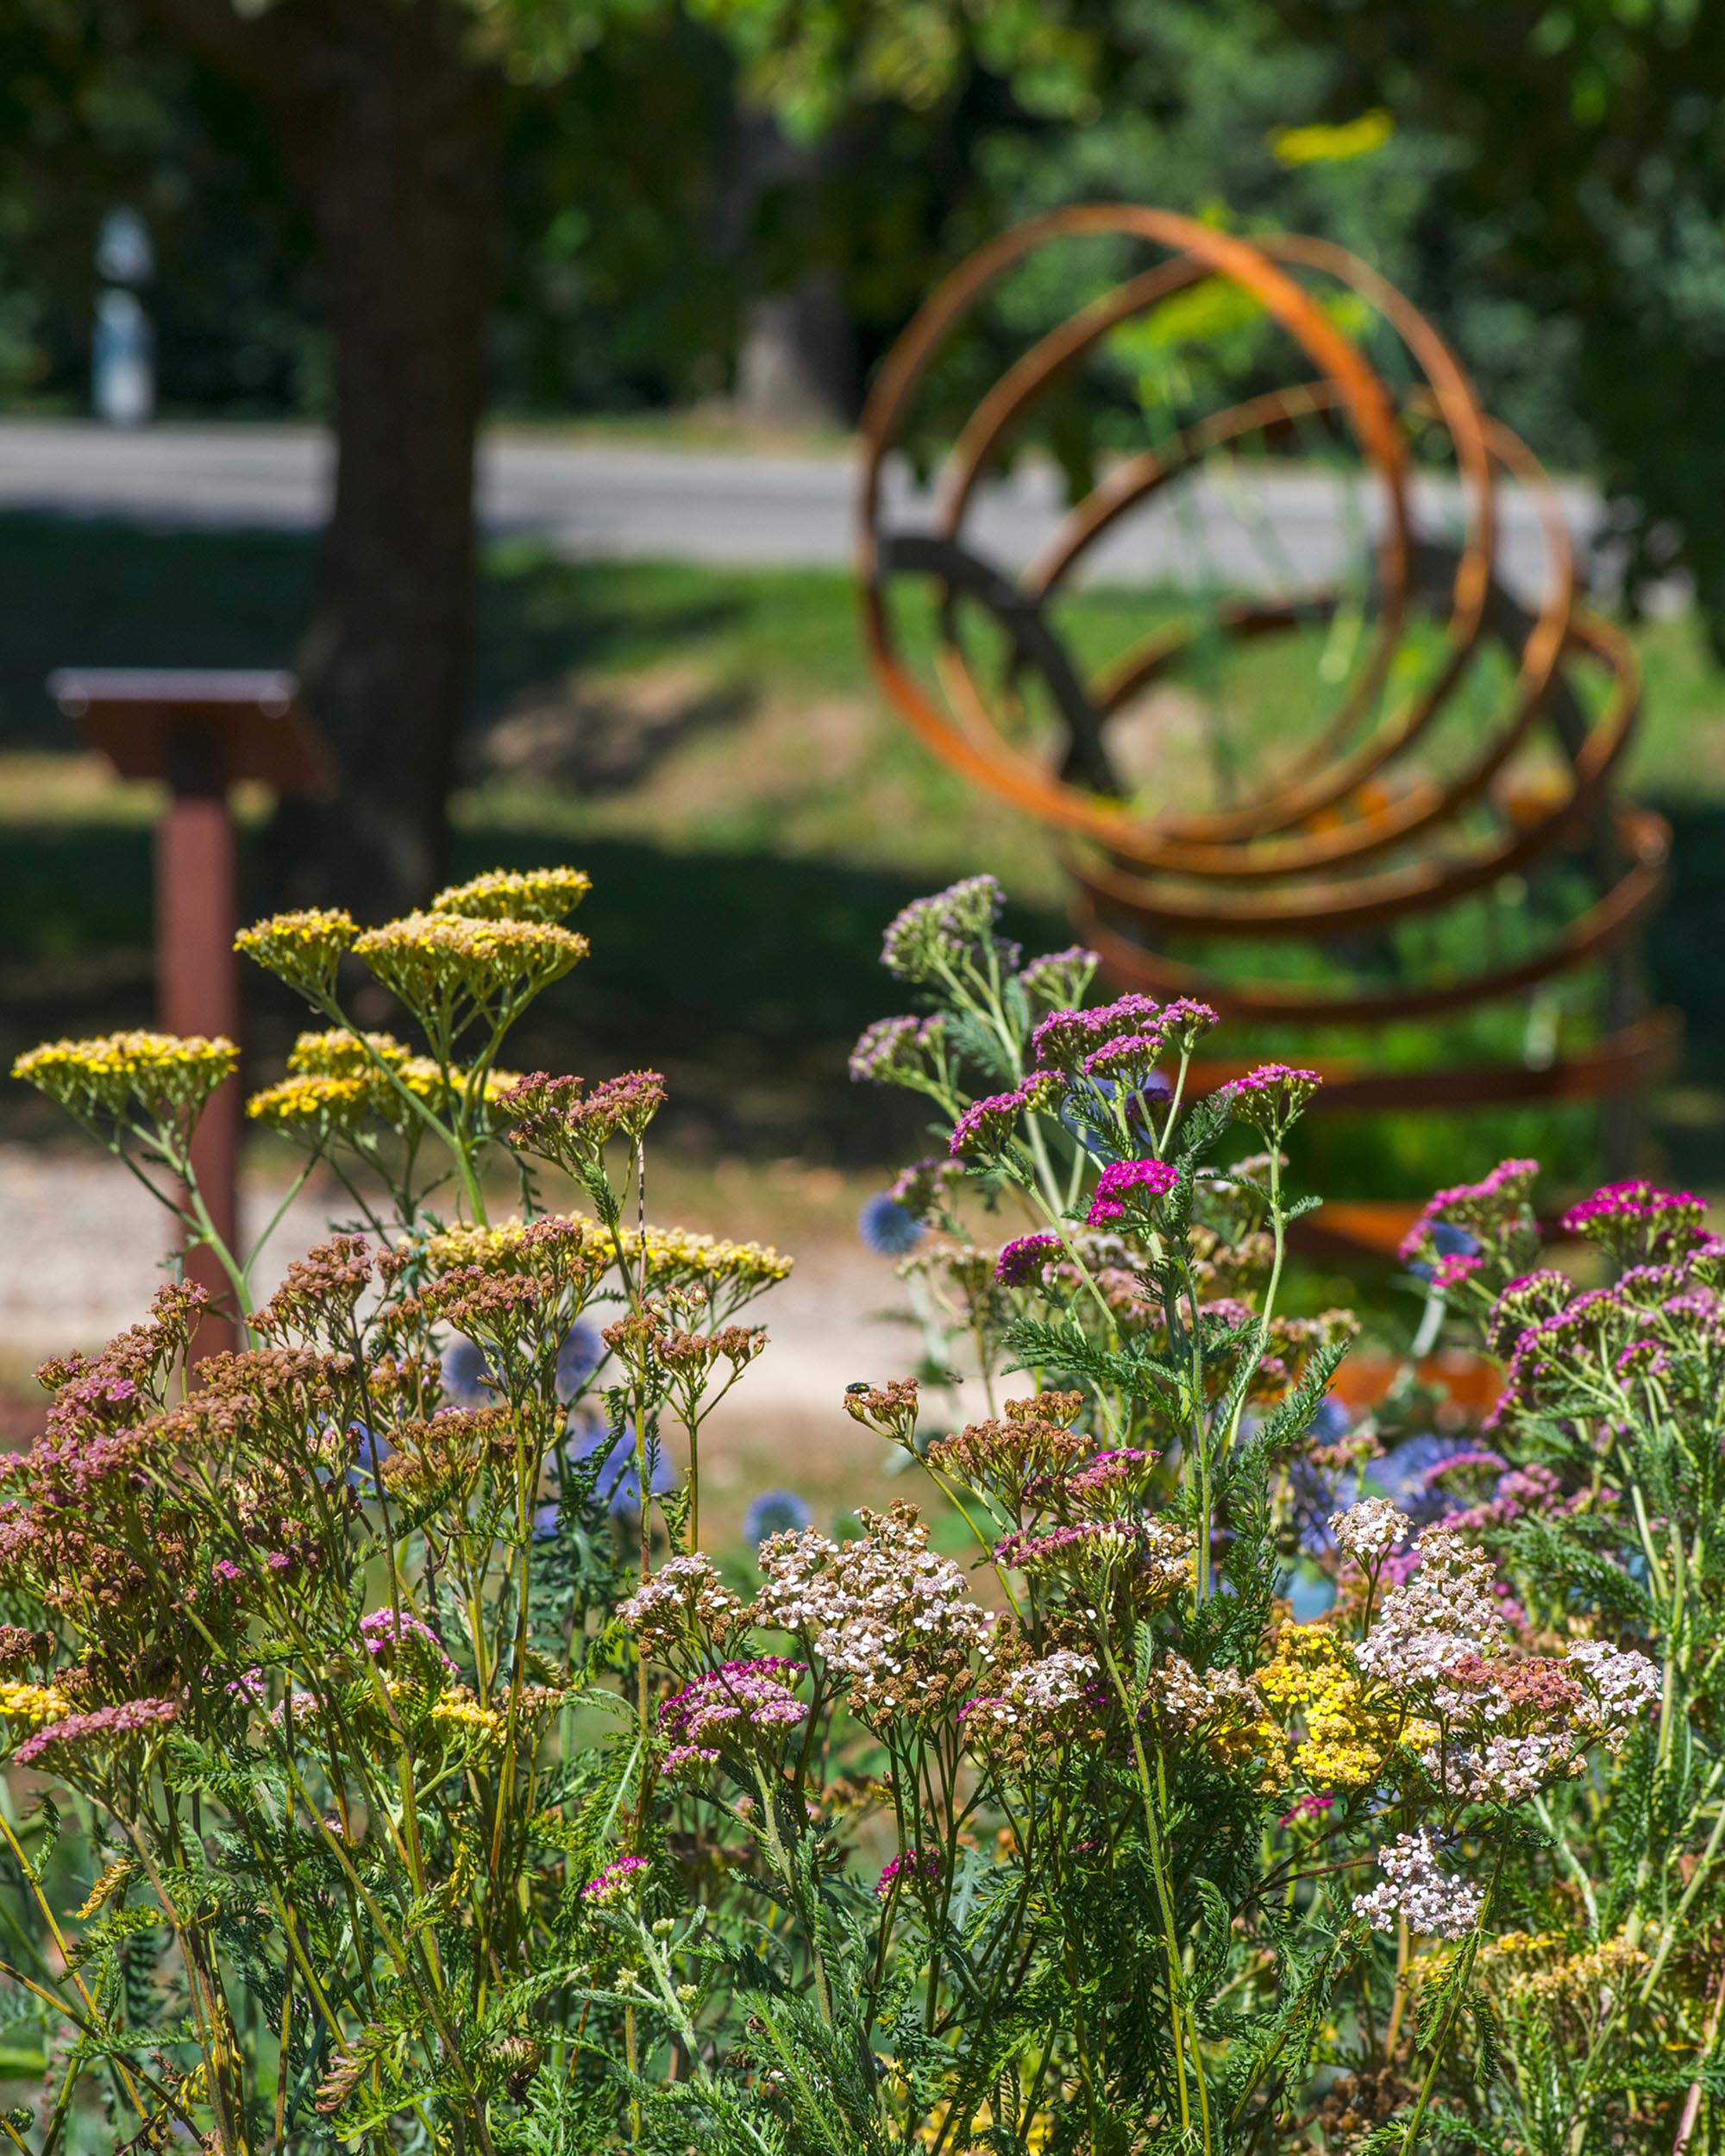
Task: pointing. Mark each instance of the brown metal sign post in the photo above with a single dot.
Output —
(201, 733)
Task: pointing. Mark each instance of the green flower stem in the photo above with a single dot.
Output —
(810, 1917)
(1209, 1453)
(280, 1214)
(65, 1951)
(1178, 2013)
(1452, 2015)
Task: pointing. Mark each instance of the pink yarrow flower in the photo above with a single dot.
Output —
(615, 1881)
(1272, 1095)
(105, 1725)
(1129, 1186)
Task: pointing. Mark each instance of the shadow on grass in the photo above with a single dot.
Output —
(91, 592)
(746, 977)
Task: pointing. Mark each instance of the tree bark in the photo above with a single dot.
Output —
(796, 355)
(391, 125)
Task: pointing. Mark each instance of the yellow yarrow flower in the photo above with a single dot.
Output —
(459, 1708)
(505, 895)
(303, 948)
(430, 960)
(340, 1053)
(1346, 1741)
(503, 1248)
(313, 1107)
(1519, 1945)
(675, 1254)
(169, 1075)
(331, 1092)
(1579, 1977)
(36, 1704)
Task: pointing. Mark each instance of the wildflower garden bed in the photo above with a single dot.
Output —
(394, 1767)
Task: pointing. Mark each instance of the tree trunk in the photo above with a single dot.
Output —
(795, 362)
(390, 122)
(796, 355)
(398, 164)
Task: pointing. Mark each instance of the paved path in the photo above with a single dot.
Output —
(726, 507)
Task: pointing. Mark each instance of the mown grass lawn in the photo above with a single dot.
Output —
(708, 742)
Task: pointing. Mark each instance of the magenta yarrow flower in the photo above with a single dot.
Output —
(1308, 1807)
(1104, 1473)
(387, 1631)
(1066, 1039)
(893, 1049)
(912, 1864)
(616, 1882)
(1637, 1216)
(1271, 1096)
(686, 1763)
(1182, 1021)
(737, 1700)
(1642, 1359)
(1060, 976)
(1020, 1263)
(1453, 1272)
(1061, 1040)
(1127, 1186)
(1495, 1199)
(987, 1124)
(1128, 1055)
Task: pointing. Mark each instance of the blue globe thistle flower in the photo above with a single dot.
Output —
(466, 1376)
(1321, 1491)
(775, 1511)
(887, 1228)
(1139, 1093)
(373, 1451)
(580, 1356)
(1403, 1475)
(1447, 1241)
(1330, 1422)
(618, 1483)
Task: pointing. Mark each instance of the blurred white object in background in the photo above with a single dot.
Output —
(122, 359)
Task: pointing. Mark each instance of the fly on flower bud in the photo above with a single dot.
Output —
(890, 1408)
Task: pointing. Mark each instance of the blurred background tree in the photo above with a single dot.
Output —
(1586, 178)
(404, 214)
(436, 170)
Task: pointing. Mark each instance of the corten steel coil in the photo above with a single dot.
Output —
(1401, 802)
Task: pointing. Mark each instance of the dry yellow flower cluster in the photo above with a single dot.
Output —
(303, 948)
(35, 1704)
(338, 1079)
(435, 961)
(169, 1075)
(676, 1255)
(505, 895)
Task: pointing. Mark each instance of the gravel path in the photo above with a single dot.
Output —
(81, 1254)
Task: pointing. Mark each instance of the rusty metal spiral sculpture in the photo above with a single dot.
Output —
(1402, 800)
